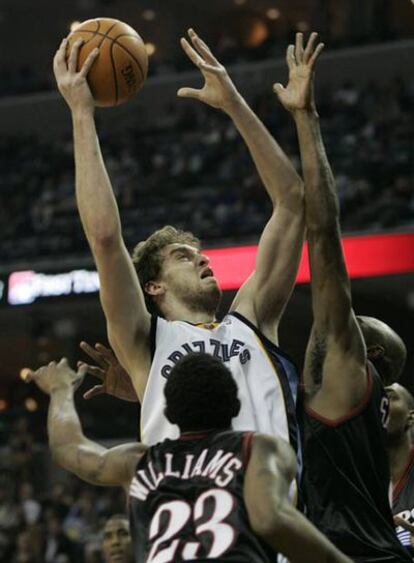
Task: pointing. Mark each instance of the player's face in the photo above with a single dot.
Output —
(188, 277)
(117, 545)
(398, 410)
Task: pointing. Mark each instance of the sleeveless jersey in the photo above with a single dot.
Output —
(403, 503)
(186, 502)
(267, 379)
(346, 479)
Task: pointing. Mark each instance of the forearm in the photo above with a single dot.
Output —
(278, 175)
(322, 209)
(69, 446)
(96, 202)
(63, 424)
(301, 542)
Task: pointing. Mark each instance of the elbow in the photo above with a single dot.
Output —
(103, 239)
(274, 524)
(294, 197)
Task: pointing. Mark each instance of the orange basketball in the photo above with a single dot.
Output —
(121, 67)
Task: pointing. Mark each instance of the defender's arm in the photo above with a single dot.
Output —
(272, 516)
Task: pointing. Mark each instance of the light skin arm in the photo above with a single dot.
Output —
(263, 297)
(69, 446)
(270, 470)
(128, 320)
(335, 364)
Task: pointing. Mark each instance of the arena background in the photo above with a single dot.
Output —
(176, 161)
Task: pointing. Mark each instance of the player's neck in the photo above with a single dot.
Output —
(181, 312)
(399, 454)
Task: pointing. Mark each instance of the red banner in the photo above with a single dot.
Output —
(366, 256)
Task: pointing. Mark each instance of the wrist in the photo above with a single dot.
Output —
(234, 104)
(305, 113)
(61, 390)
(80, 113)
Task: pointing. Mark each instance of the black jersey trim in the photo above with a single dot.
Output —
(273, 353)
(266, 341)
(356, 411)
(199, 435)
(153, 334)
(397, 490)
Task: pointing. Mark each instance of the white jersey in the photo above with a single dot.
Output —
(267, 380)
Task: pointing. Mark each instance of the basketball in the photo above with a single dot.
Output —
(120, 70)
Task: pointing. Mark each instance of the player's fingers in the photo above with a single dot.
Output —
(299, 47)
(97, 390)
(63, 362)
(74, 55)
(290, 57)
(211, 69)
(93, 370)
(90, 59)
(190, 52)
(315, 55)
(82, 370)
(309, 47)
(59, 60)
(202, 48)
(189, 93)
(29, 376)
(96, 356)
(106, 353)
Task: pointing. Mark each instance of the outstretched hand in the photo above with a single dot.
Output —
(218, 90)
(115, 380)
(73, 84)
(56, 376)
(298, 94)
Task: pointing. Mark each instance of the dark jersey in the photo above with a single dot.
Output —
(403, 503)
(186, 502)
(346, 479)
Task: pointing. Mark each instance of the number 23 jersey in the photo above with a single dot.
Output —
(186, 502)
(267, 379)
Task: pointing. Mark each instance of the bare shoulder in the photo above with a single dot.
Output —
(267, 450)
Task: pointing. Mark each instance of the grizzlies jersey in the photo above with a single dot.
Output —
(346, 479)
(186, 502)
(267, 380)
(403, 503)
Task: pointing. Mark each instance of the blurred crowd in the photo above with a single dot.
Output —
(47, 515)
(193, 170)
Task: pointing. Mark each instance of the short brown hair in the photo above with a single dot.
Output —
(147, 257)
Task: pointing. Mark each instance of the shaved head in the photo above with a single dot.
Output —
(385, 348)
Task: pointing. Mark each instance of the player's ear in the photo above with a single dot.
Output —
(410, 419)
(375, 351)
(154, 288)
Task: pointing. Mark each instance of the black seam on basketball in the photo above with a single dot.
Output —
(94, 32)
(132, 57)
(111, 54)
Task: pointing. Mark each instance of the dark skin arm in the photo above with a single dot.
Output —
(69, 446)
(272, 516)
(335, 364)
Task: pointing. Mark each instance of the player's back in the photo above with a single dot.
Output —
(186, 501)
(346, 479)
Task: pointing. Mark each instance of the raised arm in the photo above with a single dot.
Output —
(335, 360)
(69, 446)
(263, 297)
(127, 318)
(272, 516)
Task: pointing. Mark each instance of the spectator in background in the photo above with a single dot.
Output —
(58, 547)
(116, 542)
(401, 454)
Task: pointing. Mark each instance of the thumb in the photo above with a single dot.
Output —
(189, 93)
(97, 390)
(278, 88)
